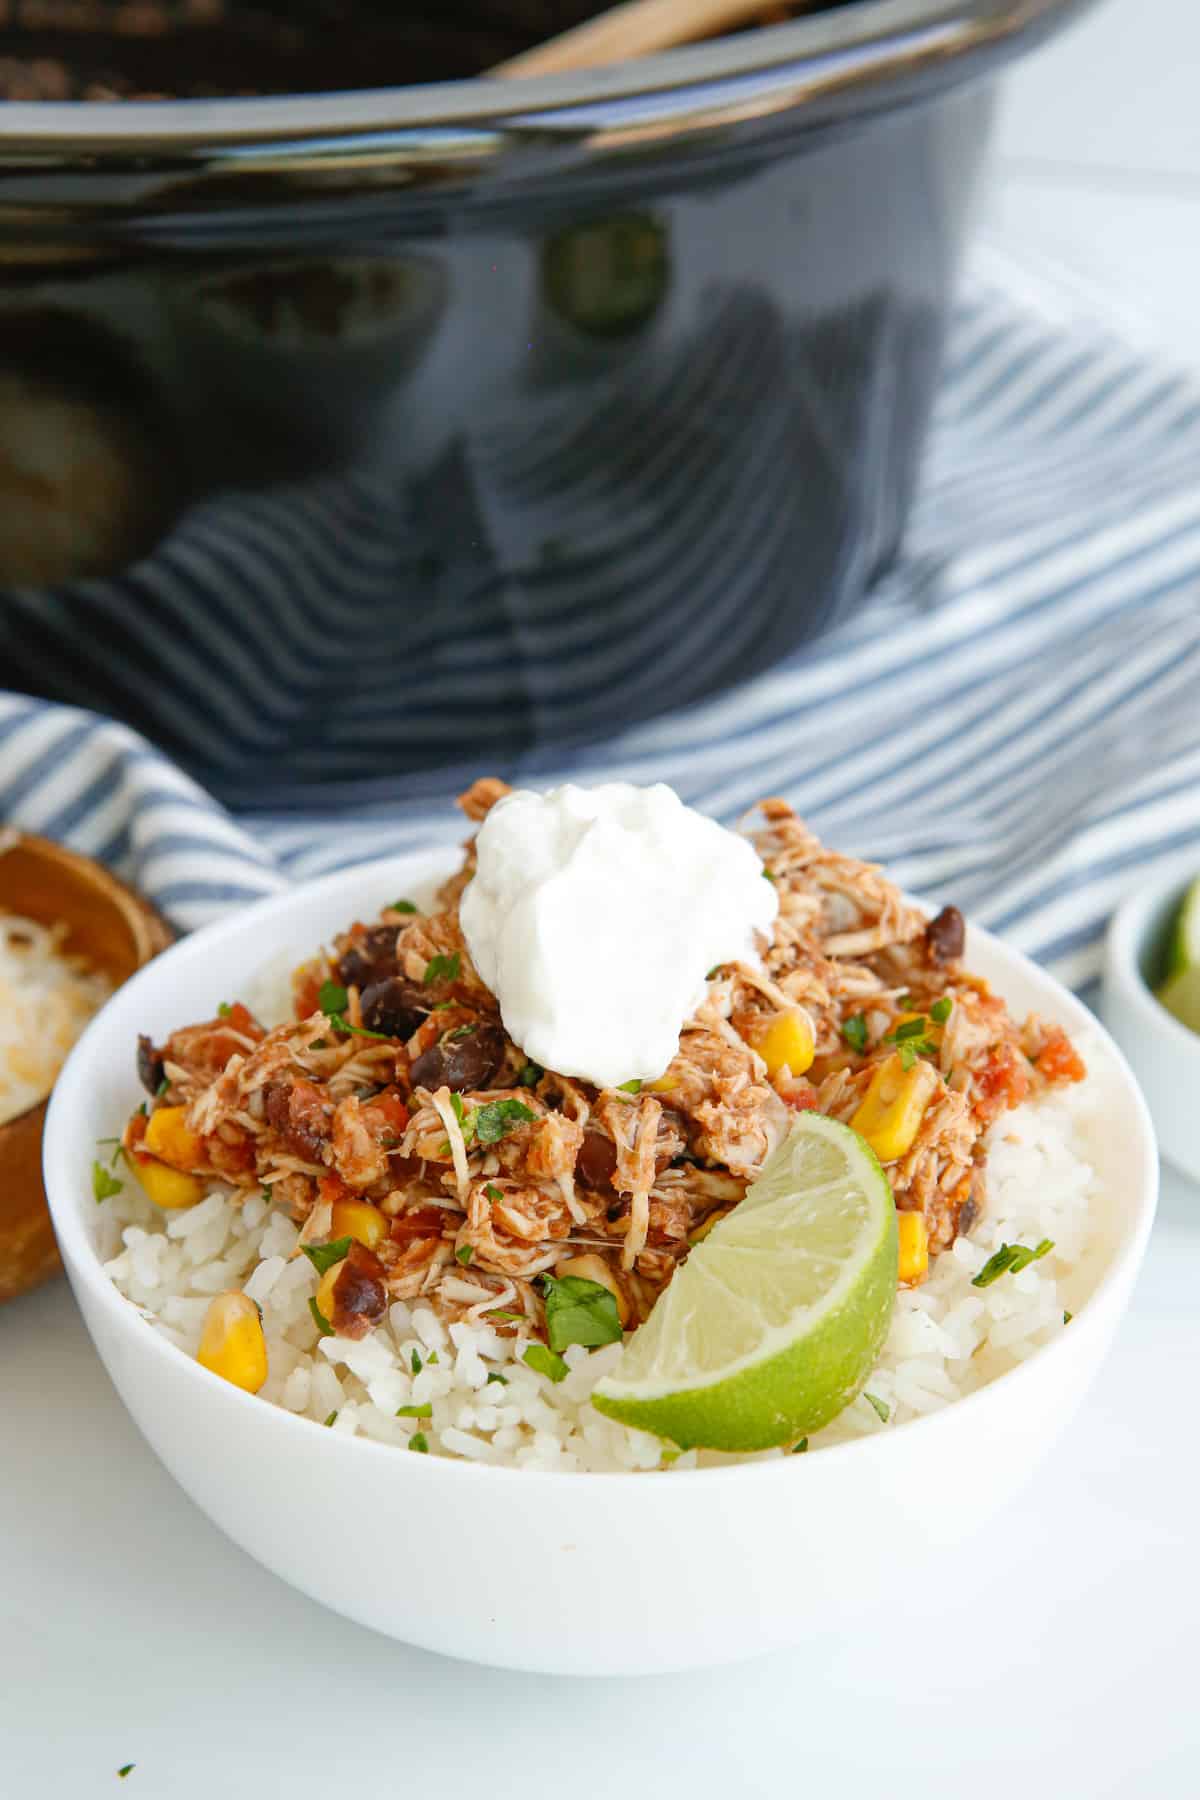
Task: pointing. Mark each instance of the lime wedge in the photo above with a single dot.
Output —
(1181, 996)
(1183, 949)
(776, 1319)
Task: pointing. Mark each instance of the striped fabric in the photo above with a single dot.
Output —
(1010, 723)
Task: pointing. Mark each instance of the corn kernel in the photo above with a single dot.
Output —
(891, 1110)
(787, 1043)
(232, 1344)
(325, 1289)
(914, 1247)
(357, 1219)
(168, 1188)
(665, 1084)
(594, 1268)
(168, 1138)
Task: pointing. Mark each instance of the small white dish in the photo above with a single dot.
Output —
(1164, 1053)
(564, 1573)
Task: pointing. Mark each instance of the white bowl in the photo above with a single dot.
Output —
(578, 1573)
(1165, 1054)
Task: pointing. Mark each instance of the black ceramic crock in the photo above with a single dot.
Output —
(349, 436)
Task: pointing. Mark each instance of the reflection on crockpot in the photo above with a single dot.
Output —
(305, 355)
(608, 277)
(87, 474)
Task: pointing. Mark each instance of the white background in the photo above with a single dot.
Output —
(1057, 1661)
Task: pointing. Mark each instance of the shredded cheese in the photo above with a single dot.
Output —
(46, 999)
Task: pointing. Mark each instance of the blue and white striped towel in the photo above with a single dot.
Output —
(1011, 722)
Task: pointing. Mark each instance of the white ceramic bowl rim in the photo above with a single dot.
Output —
(66, 1189)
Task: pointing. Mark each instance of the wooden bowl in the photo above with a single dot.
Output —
(116, 931)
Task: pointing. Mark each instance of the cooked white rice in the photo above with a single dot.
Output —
(947, 1337)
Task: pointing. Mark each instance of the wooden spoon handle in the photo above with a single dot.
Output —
(636, 28)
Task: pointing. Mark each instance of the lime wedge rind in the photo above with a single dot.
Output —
(1183, 946)
(713, 1366)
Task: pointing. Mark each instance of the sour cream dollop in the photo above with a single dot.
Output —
(594, 916)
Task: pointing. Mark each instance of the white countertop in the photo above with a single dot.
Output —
(1056, 1660)
(1058, 1656)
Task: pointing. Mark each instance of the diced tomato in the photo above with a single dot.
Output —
(240, 1018)
(386, 1117)
(1059, 1060)
(332, 1188)
(801, 1096)
(306, 988)
(1004, 1082)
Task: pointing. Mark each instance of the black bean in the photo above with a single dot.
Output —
(462, 1060)
(946, 936)
(371, 961)
(596, 1163)
(395, 1006)
(149, 1064)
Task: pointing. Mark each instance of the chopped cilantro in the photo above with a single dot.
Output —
(443, 968)
(417, 1364)
(332, 999)
(415, 1411)
(461, 1031)
(941, 1009)
(912, 1039)
(495, 1375)
(545, 1362)
(905, 1002)
(713, 972)
(224, 1010)
(463, 1254)
(579, 1312)
(159, 1091)
(911, 1028)
(630, 1087)
(266, 1194)
(1010, 1257)
(767, 873)
(401, 906)
(798, 1449)
(493, 1192)
(123, 1771)
(322, 1323)
(331, 1418)
(1067, 1317)
(419, 1442)
(104, 1185)
(506, 1318)
(854, 1031)
(323, 1256)
(143, 1112)
(880, 1406)
(530, 1075)
(432, 1358)
(498, 1118)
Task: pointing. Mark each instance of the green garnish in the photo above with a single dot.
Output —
(855, 1032)
(266, 1194)
(530, 1075)
(323, 1256)
(912, 1039)
(630, 1087)
(579, 1312)
(419, 1442)
(403, 906)
(1067, 1317)
(463, 1254)
(800, 1448)
(545, 1362)
(495, 1375)
(125, 1768)
(417, 1364)
(423, 1411)
(104, 1185)
(941, 1009)
(322, 1323)
(769, 875)
(498, 1118)
(224, 1010)
(713, 972)
(493, 1192)
(502, 1313)
(433, 1356)
(881, 1407)
(332, 999)
(461, 1031)
(1010, 1257)
(331, 1418)
(443, 968)
(159, 1091)
(905, 1002)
